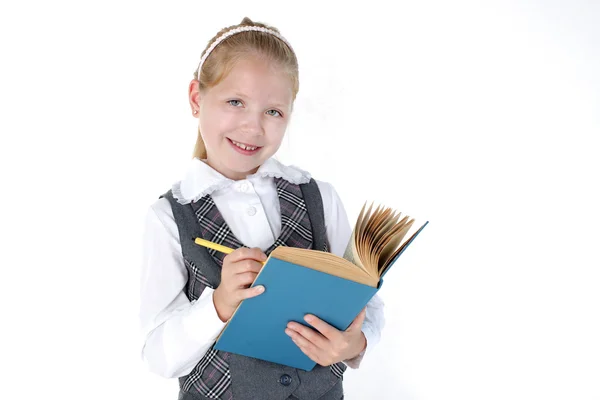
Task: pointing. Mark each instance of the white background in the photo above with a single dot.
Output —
(482, 117)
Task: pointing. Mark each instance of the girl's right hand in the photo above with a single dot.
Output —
(239, 270)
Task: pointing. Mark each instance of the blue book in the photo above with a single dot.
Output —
(303, 281)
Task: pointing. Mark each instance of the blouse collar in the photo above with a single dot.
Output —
(201, 179)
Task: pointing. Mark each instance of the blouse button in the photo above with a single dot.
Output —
(244, 187)
(251, 211)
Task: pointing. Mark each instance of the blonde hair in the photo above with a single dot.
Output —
(236, 47)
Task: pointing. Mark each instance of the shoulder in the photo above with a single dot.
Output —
(333, 206)
(162, 209)
(328, 193)
(159, 218)
(337, 225)
(332, 203)
(298, 175)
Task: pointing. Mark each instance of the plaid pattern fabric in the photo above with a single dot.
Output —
(296, 230)
(211, 376)
(197, 282)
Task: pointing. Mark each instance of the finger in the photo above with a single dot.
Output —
(323, 327)
(302, 342)
(251, 292)
(247, 266)
(306, 347)
(309, 334)
(358, 321)
(244, 253)
(244, 280)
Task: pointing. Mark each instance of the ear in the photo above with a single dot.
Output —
(194, 97)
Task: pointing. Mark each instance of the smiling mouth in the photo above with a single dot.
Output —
(244, 146)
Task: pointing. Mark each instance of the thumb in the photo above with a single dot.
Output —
(358, 321)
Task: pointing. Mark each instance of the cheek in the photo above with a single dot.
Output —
(277, 129)
(214, 123)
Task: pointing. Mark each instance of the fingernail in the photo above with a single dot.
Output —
(288, 332)
(260, 289)
(308, 318)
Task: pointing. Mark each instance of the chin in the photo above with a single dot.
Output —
(242, 165)
(247, 169)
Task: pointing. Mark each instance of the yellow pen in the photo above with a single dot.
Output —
(214, 246)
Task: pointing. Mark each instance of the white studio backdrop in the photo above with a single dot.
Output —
(481, 117)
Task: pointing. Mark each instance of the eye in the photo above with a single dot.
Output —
(277, 113)
(235, 103)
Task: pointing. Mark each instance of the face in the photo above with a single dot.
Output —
(243, 119)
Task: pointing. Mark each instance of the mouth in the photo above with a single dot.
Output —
(244, 148)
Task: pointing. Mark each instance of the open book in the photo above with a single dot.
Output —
(378, 237)
(300, 281)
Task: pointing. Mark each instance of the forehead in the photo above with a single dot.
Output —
(259, 78)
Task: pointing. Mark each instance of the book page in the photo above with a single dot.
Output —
(350, 252)
(401, 248)
(379, 236)
(394, 241)
(324, 262)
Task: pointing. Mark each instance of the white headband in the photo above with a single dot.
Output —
(236, 31)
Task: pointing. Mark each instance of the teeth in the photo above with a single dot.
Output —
(243, 146)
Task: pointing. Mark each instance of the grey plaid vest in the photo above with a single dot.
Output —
(223, 375)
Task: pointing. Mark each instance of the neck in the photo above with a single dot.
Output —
(233, 175)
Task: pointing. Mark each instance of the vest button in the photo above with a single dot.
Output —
(251, 211)
(285, 380)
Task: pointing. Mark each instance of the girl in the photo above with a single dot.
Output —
(236, 194)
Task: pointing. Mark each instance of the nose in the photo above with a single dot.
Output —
(251, 124)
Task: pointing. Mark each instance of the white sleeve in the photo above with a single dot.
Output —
(338, 234)
(176, 333)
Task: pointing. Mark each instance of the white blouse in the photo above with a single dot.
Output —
(176, 333)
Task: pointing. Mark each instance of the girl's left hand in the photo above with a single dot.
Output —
(328, 345)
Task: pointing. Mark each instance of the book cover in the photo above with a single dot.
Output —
(257, 329)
